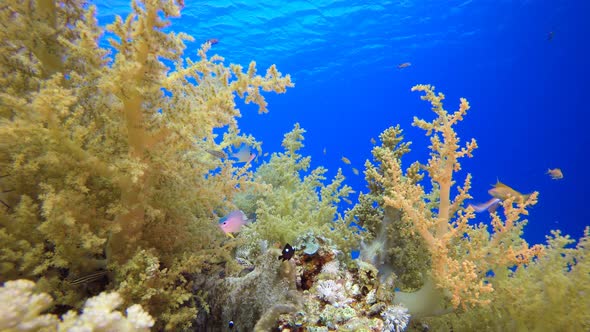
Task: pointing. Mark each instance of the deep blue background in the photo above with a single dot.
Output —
(528, 93)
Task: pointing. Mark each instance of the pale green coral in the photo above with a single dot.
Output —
(291, 205)
(254, 298)
(390, 242)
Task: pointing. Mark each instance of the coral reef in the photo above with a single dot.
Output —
(389, 242)
(252, 297)
(21, 310)
(550, 293)
(310, 292)
(292, 203)
(342, 297)
(105, 157)
(113, 179)
(461, 255)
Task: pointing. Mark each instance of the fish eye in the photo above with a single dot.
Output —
(225, 222)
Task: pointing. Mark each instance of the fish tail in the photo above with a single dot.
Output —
(489, 205)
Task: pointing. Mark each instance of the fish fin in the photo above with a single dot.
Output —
(235, 214)
(494, 207)
(230, 235)
(489, 205)
(500, 184)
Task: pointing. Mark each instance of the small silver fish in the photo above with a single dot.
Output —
(217, 154)
(244, 154)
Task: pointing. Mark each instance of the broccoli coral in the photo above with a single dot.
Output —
(292, 205)
(389, 242)
(108, 156)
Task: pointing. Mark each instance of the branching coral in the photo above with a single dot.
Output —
(343, 297)
(461, 254)
(549, 293)
(292, 204)
(21, 310)
(389, 242)
(106, 156)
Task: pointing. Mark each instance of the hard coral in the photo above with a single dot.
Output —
(396, 318)
(99, 315)
(21, 310)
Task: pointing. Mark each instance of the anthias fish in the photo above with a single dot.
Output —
(555, 173)
(503, 192)
(499, 192)
(404, 65)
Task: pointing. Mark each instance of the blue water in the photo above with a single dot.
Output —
(527, 92)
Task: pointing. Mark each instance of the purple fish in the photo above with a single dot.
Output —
(233, 222)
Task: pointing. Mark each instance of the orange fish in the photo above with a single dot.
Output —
(555, 173)
(502, 192)
(499, 193)
(404, 65)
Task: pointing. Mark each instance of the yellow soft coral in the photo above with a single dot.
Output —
(461, 254)
(103, 157)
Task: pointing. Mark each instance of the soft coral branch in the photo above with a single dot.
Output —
(461, 254)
